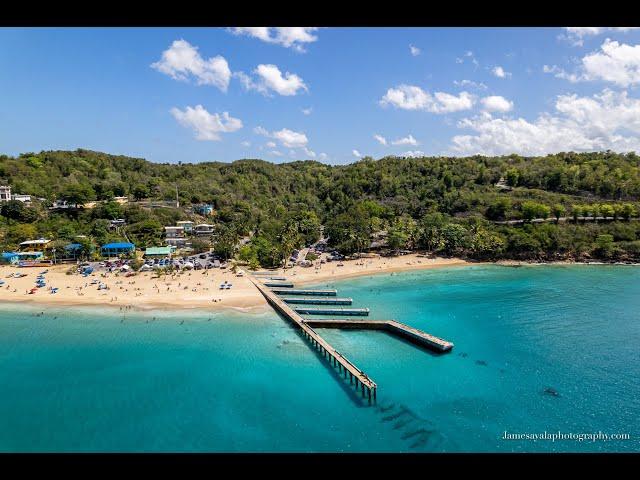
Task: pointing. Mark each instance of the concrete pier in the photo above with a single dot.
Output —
(334, 357)
(319, 301)
(392, 327)
(358, 312)
(307, 292)
(278, 284)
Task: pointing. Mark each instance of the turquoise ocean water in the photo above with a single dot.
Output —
(540, 348)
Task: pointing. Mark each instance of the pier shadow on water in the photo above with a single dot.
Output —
(419, 434)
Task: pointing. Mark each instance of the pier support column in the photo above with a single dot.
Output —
(374, 393)
(362, 385)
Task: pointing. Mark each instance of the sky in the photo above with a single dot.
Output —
(327, 94)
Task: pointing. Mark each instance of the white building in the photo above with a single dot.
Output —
(203, 229)
(5, 193)
(174, 236)
(21, 198)
(187, 225)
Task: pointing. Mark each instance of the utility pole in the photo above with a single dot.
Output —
(177, 201)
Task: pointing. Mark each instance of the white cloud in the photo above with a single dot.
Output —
(205, 125)
(499, 72)
(608, 120)
(408, 140)
(307, 111)
(356, 153)
(291, 139)
(470, 84)
(380, 139)
(410, 97)
(275, 153)
(287, 138)
(290, 37)
(576, 35)
(246, 144)
(615, 62)
(561, 73)
(322, 156)
(413, 153)
(309, 152)
(468, 55)
(270, 79)
(182, 61)
(415, 51)
(496, 103)
(270, 144)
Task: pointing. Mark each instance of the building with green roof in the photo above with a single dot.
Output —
(152, 252)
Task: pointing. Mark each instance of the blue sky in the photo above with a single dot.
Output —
(330, 94)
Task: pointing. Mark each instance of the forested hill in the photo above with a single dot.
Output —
(447, 205)
(406, 185)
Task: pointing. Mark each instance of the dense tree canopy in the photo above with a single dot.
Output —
(444, 204)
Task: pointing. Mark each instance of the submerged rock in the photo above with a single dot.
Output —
(551, 392)
(481, 362)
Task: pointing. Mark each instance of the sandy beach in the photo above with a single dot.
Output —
(188, 289)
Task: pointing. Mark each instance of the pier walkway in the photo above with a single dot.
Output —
(319, 301)
(362, 380)
(331, 306)
(390, 326)
(299, 291)
(359, 312)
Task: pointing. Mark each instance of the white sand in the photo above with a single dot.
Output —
(189, 289)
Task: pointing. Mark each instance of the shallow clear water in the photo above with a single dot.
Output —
(92, 380)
